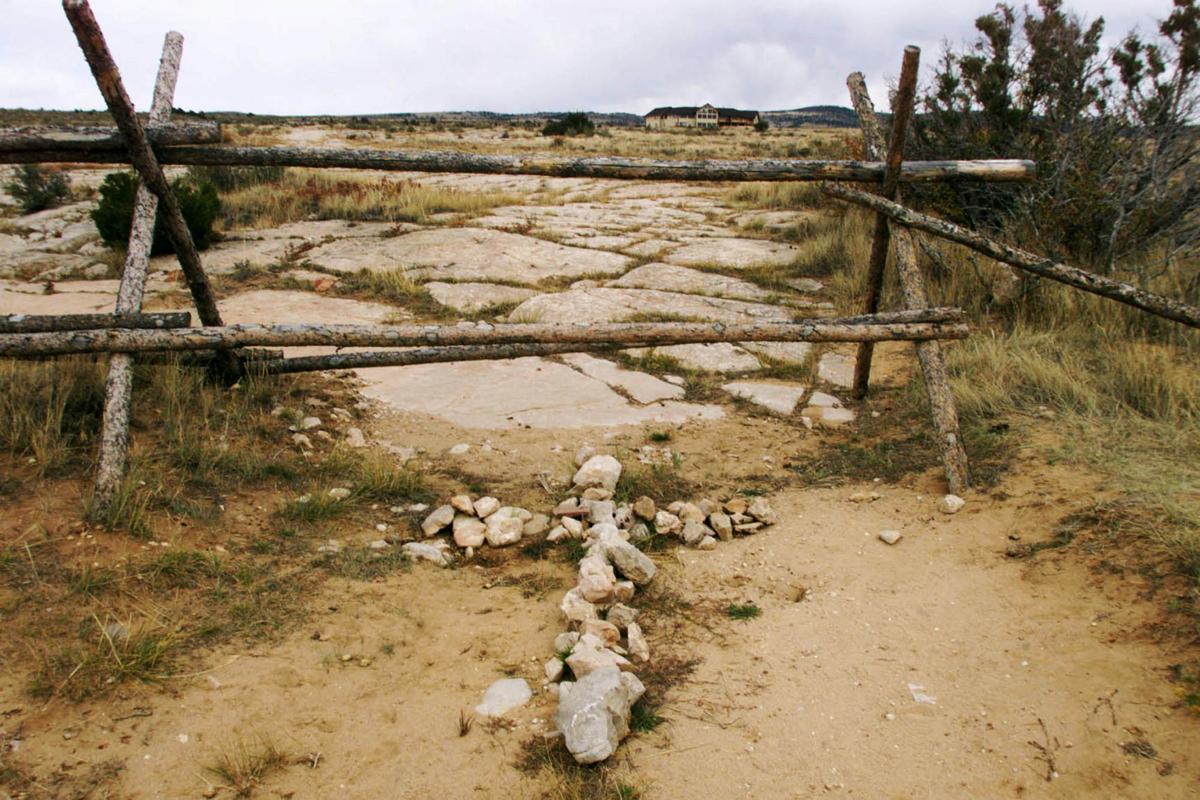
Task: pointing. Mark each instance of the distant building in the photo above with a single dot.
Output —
(705, 116)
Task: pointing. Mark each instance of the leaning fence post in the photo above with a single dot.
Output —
(929, 353)
(889, 188)
(108, 79)
(114, 431)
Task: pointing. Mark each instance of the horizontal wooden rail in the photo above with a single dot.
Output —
(76, 142)
(1125, 293)
(45, 323)
(630, 334)
(1001, 170)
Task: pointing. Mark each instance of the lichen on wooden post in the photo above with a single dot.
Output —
(929, 352)
(118, 392)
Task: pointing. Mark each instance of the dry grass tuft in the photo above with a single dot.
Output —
(321, 194)
(245, 766)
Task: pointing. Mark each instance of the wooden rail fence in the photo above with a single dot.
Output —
(159, 141)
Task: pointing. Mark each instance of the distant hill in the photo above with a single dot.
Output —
(823, 116)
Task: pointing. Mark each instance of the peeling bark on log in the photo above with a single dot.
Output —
(118, 393)
(890, 188)
(74, 142)
(929, 353)
(994, 170)
(45, 323)
(108, 79)
(1024, 260)
(630, 334)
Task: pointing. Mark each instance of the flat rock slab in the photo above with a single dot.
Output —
(837, 369)
(520, 392)
(721, 357)
(641, 387)
(283, 307)
(776, 397)
(602, 304)
(734, 253)
(651, 248)
(476, 296)
(468, 254)
(673, 278)
(222, 257)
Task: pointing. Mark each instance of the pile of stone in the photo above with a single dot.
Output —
(476, 522)
(701, 524)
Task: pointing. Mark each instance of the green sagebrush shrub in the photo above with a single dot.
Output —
(575, 123)
(36, 188)
(114, 215)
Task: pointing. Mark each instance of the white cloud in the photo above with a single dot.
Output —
(359, 56)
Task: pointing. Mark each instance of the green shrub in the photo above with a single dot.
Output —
(228, 179)
(114, 215)
(575, 123)
(36, 188)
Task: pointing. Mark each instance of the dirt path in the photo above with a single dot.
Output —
(818, 695)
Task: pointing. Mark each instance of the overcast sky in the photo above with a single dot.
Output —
(375, 56)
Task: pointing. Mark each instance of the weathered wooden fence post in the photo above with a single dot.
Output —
(114, 431)
(108, 79)
(929, 353)
(890, 188)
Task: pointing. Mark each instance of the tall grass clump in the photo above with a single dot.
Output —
(775, 195)
(50, 411)
(306, 194)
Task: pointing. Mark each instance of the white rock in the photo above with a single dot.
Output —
(624, 591)
(951, 504)
(462, 502)
(302, 441)
(602, 511)
(574, 527)
(459, 449)
(505, 527)
(595, 493)
(593, 715)
(631, 562)
(438, 519)
(503, 696)
(603, 630)
(469, 531)
(666, 522)
(575, 608)
(565, 641)
(486, 506)
(822, 400)
(621, 615)
(308, 423)
(590, 654)
(778, 398)
(379, 544)
(338, 493)
(707, 543)
(597, 583)
(722, 525)
(890, 537)
(355, 438)
(694, 532)
(690, 512)
(639, 649)
(537, 524)
(554, 669)
(602, 471)
(428, 552)
(583, 454)
(557, 533)
(674, 379)
(761, 510)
